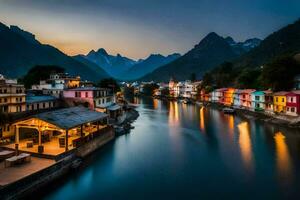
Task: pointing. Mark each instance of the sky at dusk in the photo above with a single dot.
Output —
(137, 28)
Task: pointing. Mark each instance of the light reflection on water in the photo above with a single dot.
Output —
(284, 163)
(245, 145)
(184, 151)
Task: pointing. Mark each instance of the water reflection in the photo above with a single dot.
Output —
(284, 165)
(202, 124)
(173, 114)
(155, 104)
(246, 145)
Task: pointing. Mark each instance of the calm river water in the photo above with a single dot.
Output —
(179, 151)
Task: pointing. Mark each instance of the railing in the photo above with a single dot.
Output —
(83, 140)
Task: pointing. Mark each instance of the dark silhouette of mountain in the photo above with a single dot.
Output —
(282, 42)
(113, 65)
(210, 52)
(148, 65)
(20, 51)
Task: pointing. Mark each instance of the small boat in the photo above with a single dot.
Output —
(228, 110)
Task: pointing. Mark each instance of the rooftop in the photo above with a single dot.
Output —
(86, 89)
(44, 98)
(68, 118)
(281, 93)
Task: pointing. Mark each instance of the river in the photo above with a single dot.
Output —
(179, 151)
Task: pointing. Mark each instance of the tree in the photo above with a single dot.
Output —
(40, 72)
(280, 74)
(148, 89)
(248, 78)
(109, 83)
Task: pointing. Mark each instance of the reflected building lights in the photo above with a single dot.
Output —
(245, 145)
(173, 114)
(202, 124)
(284, 165)
(155, 104)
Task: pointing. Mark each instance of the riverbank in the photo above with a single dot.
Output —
(125, 126)
(282, 120)
(279, 119)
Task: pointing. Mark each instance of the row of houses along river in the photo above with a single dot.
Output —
(183, 151)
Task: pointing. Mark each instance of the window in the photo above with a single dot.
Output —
(292, 99)
(276, 99)
(256, 98)
(5, 91)
(103, 100)
(99, 101)
(282, 99)
(44, 105)
(292, 109)
(5, 100)
(86, 94)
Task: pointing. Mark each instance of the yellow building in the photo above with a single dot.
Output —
(279, 99)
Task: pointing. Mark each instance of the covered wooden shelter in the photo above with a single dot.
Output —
(60, 130)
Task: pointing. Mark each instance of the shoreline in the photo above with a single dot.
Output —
(23, 187)
(286, 121)
(282, 120)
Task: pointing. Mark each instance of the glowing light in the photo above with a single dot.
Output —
(173, 114)
(245, 145)
(155, 103)
(202, 124)
(284, 165)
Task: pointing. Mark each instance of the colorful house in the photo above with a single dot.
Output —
(220, 93)
(280, 102)
(98, 99)
(204, 96)
(258, 100)
(245, 98)
(293, 103)
(269, 101)
(215, 96)
(236, 98)
(228, 96)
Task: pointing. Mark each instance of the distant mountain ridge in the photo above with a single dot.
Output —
(20, 51)
(148, 65)
(210, 52)
(113, 65)
(243, 47)
(284, 41)
(124, 68)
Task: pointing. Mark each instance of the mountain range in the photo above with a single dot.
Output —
(210, 52)
(20, 51)
(124, 68)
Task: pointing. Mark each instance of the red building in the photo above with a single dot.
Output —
(293, 103)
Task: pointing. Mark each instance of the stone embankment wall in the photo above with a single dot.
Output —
(95, 144)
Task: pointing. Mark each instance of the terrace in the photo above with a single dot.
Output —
(57, 132)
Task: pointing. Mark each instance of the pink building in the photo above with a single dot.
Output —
(245, 98)
(92, 97)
